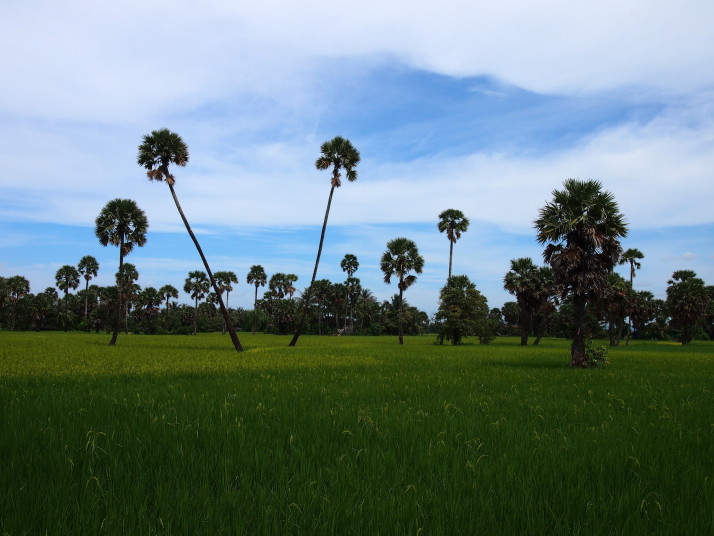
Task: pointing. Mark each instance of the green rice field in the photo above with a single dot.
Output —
(351, 435)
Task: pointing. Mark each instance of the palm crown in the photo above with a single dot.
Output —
(401, 258)
(158, 150)
(340, 154)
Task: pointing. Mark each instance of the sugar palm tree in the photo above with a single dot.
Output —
(126, 283)
(225, 281)
(67, 277)
(167, 292)
(121, 223)
(340, 155)
(631, 257)
(401, 258)
(157, 151)
(522, 280)
(197, 286)
(256, 276)
(582, 226)
(88, 267)
(453, 222)
(16, 288)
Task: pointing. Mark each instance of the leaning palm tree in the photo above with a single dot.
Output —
(225, 281)
(157, 151)
(67, 277)
(453, 222)
(401, 258)
(339, 154)
(88, 267)
(582, 226)
(196, 285)
(631, 257)
(121, 223)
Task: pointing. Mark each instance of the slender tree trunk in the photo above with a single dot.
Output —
(86, 290)
(401, 309)
(451, 254)
(301, 321)
(524, 321)
(117, 319)
(227, 307)
(226, 316)
(255, 308)
(629, 315)
(195, 316)
(578, 358)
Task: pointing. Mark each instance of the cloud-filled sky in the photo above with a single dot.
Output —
(486, 107)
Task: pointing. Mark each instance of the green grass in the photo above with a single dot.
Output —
(351, 435)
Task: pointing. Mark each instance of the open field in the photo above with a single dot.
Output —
(351, 435)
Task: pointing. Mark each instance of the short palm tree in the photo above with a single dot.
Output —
(88, 267)
(631, 257)
(67, 277)
(197, 286)
(167, 292)
(453, 222)
(121, 223)
(401, 258)
(256, 276)
(157, 151)
(582, 226)
(338, 154)
(225, 281)
(16, 288)
(522, 280)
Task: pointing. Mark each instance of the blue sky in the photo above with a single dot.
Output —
(478, 106)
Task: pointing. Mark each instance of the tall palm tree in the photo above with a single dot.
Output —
(167, 292)
(157, 151)
(339, 154)
(582, 226)
(16, 288)
(631, 257)
(225, 281)
(401, 258)
(121, 223)
(522, 280)
(256, 276)
(453, 222)
(67, 277)
(88, 267)
(197, 286)
(126, 282)
(349, 265)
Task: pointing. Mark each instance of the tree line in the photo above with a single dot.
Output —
(576, 294)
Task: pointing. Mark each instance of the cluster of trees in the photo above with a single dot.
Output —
(574, 295)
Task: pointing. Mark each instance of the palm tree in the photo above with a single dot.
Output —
(687, 302)
(631, 257)
(349, 264)
(158, 150)
(126, 282)
(453, 222)
(340, 154)
(401, 258)
(67, 277)
(197, 286)
(354, 287)
(167, 292)
(121, 223)
(225, 281)
(88, 267)
(16, 287)
(583, 225)
(256, 276)
(522, 280)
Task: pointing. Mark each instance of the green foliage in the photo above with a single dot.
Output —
(463, 311)
(595, 356)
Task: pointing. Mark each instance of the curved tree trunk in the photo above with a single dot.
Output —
(306, 299)
(224, 311)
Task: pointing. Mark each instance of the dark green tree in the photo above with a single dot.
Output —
(123, 224)
(197, 286)
(687, 302)
(632, 257)
(581, 226)
(225, 281)
(463, 311)
(257, 277)
(399, 260)
(453, 222)
(157, 151)
(88, 267)
(338, 154)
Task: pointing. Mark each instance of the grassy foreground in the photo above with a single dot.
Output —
(351, 435)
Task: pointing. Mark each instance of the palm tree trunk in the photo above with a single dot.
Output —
(86, 290)
(226, 316)
(255, 307)
(117, 320)
(629, 316)
(66, 308)
(298, 330)
(578, 358)
(451, 254)
(195, 316)
(401, 309)
(224, 320)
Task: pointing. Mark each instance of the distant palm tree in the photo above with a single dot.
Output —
(631, 256)
(16, 287)
(256, 276)
(167, 292)
(524, 281)
(126, 282)
(88, 267)
(67, 278)
(340, 154)
(225, 281)
(582, 225)
(121, 223)
(401, 258)
(197, 286)
(453, 222)
(157, 151)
